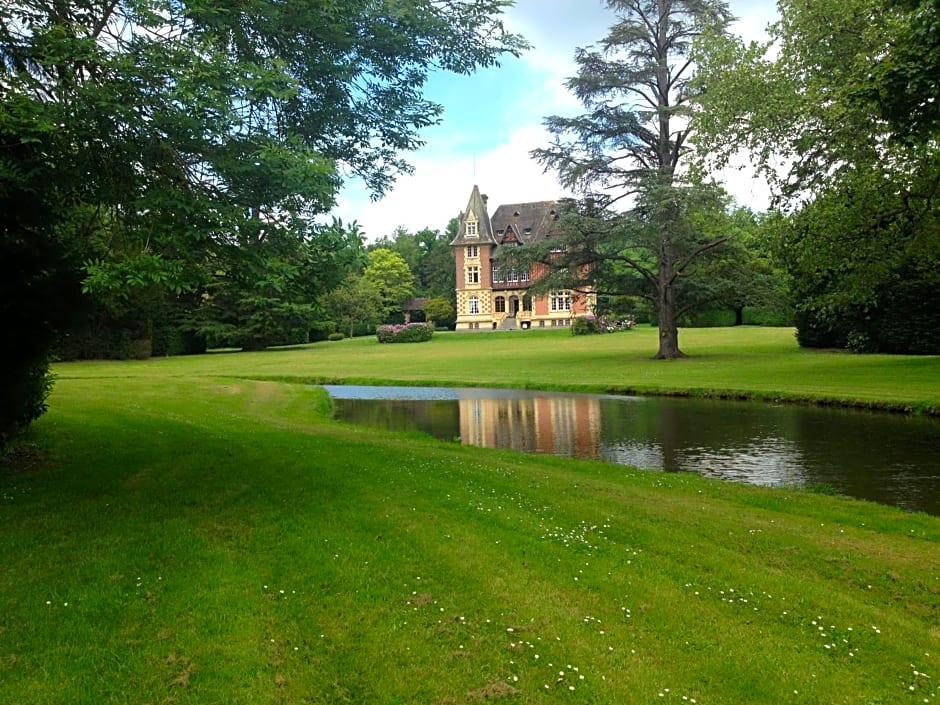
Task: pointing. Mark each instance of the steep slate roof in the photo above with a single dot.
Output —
(476, 205)
(531, 222)
(516, 222)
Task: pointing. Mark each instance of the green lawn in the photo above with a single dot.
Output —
(191, 533)
(745, 361)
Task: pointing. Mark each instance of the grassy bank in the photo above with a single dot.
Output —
(191, 535)
(741, 362)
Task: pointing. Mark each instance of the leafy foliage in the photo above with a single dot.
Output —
(154, 147)
(268, 293)
(904, 80)
(842, 120)
(355, 302)
(38, 280)
(440, 311)
(428, 255)
(391, 277)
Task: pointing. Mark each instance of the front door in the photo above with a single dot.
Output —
(513, 306)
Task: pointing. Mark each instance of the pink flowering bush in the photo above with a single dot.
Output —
(405, 333)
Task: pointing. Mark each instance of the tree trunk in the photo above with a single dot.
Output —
(668, 327)
(668, 338)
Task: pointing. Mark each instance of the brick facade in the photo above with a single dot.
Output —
(489, 298)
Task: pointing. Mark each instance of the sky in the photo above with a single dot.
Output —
(493, 119)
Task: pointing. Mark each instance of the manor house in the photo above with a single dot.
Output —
(493, 297)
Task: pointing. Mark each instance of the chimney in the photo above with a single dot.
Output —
(485, 198)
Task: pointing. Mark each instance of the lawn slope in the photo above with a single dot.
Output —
(192, 537)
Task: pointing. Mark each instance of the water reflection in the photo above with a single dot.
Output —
(886, 458)
(557, 425)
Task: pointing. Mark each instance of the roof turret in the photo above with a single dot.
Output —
(475, 227)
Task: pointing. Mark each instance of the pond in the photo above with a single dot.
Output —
(887, 458)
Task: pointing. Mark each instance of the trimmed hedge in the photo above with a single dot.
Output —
(405, 333)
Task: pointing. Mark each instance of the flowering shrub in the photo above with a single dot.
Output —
(405, 333)
(588, 325)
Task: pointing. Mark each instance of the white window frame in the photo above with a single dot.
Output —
(473, 306)
(472, 228)
(560, 300)
(473, 275)
(473, 251)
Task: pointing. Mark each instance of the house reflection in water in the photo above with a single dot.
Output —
(557, 425)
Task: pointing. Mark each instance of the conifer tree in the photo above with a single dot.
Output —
(640, 225)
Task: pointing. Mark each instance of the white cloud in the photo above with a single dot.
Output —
(439, 188)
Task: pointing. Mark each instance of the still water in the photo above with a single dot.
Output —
(885, 458)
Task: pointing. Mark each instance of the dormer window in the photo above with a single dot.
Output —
(472, 229)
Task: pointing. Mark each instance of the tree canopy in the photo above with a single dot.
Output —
(429, 257)
(148, 144)
(388, 273)
(839, 110)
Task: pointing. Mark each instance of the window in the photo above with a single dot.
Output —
(500, 304)
(524, 275)
(560, 300)
(473, 275)
(473, 251)
(472, 230)
(474, 305)
(513, 275)
(498, 275)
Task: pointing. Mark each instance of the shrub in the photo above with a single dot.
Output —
(441, 312)
(335, 336)
(405, 333)
(588, 325)
(23, 398)
(320, 331)
(584, 326)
